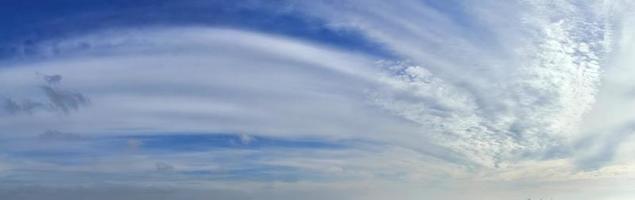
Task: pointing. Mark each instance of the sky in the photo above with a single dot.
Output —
(287, 99)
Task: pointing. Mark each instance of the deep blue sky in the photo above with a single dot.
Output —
(29, 22)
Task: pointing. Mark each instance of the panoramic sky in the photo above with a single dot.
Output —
(320, 99)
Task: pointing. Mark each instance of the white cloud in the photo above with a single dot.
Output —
(497, 86)
(208, 80)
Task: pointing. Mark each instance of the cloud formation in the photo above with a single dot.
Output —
(520, 94)
(532, 93)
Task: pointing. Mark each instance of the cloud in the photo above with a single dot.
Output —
(529, 94)
(26, 106)
(606, 130)
(59, 99)
(164, 167)
(258, 84)
(495, 86)
(284, 87)
(11, 106)
(63, 100)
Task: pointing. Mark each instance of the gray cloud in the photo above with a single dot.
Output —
(25, 106)
(64, 100)
(59, 99)
(11, 106)
(164, 167)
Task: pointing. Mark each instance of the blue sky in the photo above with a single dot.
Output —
(33, 21)
(323, 99)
